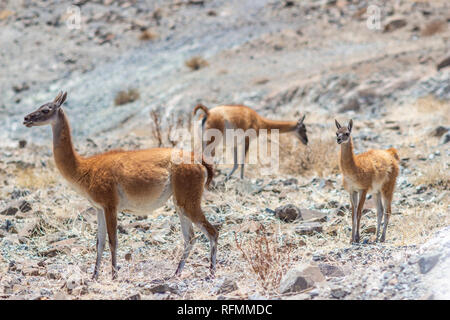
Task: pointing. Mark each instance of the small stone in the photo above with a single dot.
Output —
(394, 24)
(439, 131)
(136, 296)
(309, 228)
(227, 286)
(25, 206)
(162, 288)
(443, 63)
(339, 293)
(351, 105)
(288, 213)
(445, 138)
(22, 144)
(9, 211)
(426, 263)
(128, 256)
(330, 270)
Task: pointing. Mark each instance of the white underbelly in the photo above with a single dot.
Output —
(143, 205)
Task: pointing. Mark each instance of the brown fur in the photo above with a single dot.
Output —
(131, 180)
(373, 171)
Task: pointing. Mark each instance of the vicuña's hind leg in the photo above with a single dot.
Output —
(189, 239)
(380, 212)
(362, 198)
(246, 147)
(188, 184)
(387, 193)
(235, 166)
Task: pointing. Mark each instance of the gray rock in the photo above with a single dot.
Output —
(9, 211)
(426, 263)
(439, 131)
(445, 138)
(339, 293)
(308, 228)
(330, 270)
(351, 105)
(25, 206)
(394, 24)
(162, 288)
(288, 213)
(136, 296)
(301, 277)
(227, 286)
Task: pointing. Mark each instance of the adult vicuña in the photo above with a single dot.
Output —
(375, 171)
(245, 118)
(133, 181)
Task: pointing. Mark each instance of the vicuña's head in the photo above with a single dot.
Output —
(343, 133)
(45, 114)
(300, 131)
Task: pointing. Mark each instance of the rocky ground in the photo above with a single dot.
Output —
(317, 58)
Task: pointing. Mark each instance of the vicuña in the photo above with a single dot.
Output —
(243, 117)
(130, 181)
(373, 171)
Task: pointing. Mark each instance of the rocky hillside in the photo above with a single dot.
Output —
(133, 64)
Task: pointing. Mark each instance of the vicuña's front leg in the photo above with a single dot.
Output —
(235, 155)
(101, 237)
(362, 199)
(354, 202)
(111, 226)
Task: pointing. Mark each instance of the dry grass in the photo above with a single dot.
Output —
(164, 128)
(435, 174)
(196, 63)
(124, 97)
(147, 35)
(34, 178)
(434, 27)
(319, 157)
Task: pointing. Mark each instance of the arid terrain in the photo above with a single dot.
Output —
(133, 69)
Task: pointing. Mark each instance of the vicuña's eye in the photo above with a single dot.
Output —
(45, 111)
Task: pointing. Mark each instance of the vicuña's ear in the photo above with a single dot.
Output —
(63, 98)
(58, 97)
(350, 125)
(337, 124)
(303, 118)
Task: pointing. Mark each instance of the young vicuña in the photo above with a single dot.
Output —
(373, 171)
(132, 181)
(242, 117)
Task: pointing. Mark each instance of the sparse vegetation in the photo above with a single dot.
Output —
(147, 35)
(434, 27)
(196, 63)
(128, 96)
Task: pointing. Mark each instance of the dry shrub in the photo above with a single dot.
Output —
(147, 35)
(318, 157)
(436, 175)
(124, 97)
(268, 261)
(434, 27)
(164, 131)
(34, 179)
(196, 63)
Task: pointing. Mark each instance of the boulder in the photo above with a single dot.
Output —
(426, 263)
(301, 277)
(288, 213)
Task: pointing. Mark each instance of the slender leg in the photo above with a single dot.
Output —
(246, 146)
(362, 199)
(212, 234)
(387, 214)
(101, 237)
(235, 164)
(111, 226)
(188, 235)
(354, 202)
(380, 211)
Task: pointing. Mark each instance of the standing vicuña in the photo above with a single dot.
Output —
(245, 118)
(133, 181)
(375, 171)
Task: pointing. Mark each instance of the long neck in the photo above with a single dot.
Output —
(283, 126)
(66, 158)
(347, 156)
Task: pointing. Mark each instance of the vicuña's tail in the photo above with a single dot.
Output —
(200, 106)
(209, 170)
(394, 153)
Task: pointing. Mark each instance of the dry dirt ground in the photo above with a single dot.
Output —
(283, 58)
